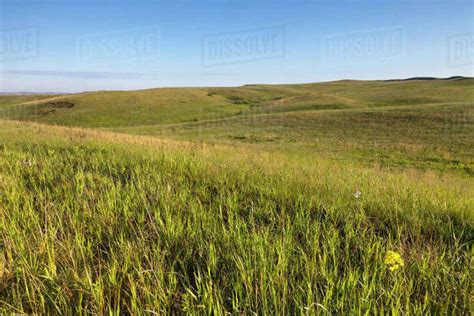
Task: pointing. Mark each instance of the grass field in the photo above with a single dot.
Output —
(350, 197)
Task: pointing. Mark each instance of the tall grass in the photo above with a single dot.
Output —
(91, 226)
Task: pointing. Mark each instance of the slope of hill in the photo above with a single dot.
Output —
(431, 136)
(165, 106)
(104, 223)
(426, 124)
(344, 197)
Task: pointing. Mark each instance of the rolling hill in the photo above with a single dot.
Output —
(344, 197)
(166, 106)
(421, 122)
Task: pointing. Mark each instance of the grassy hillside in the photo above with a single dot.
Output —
(125, 108)
(108, 223)
(165, 106)
(348, 197)
(425, 124)
(14, 99)
(432, 136)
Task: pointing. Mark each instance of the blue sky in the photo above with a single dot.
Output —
(78, 45)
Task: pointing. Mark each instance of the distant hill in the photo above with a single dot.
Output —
(179, 105)
(429, 78)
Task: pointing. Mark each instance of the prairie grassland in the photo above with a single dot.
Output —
(96, 222)
(429, 136)
(118, 109)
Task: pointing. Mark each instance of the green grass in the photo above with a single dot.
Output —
(178, 105)
(426, 124)
(245, 203)
(13, 99)
(430, 137)
(126, 108)
(100, 223)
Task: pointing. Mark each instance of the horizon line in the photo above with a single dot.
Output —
(120, 75)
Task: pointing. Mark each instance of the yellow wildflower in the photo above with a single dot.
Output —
(394, 260)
